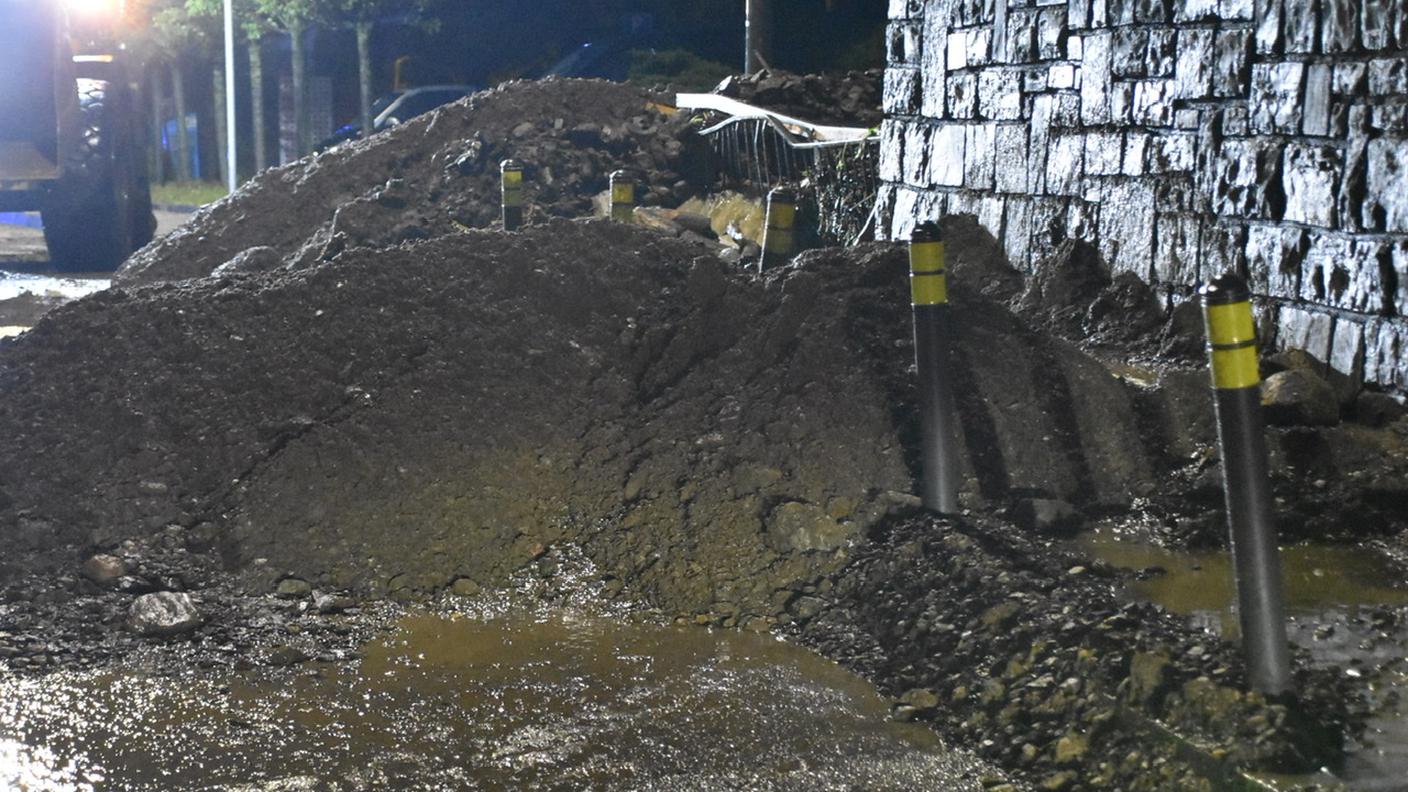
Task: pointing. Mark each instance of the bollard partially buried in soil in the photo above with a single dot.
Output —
(511, 177)
(1255, 557)
(928, 284)
(623, 197)
(779, 237)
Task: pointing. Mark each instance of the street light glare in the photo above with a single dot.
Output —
(94, 8)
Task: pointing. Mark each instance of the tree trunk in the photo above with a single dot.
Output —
(218, 94)
(364, 73)
(300, 89)
(156, 151)
(256, 103)
(183, 138)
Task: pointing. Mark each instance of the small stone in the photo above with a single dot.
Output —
(1047, 516)
(1297, 397)
(286, 656)
(293, 588)
(805, 608)
(1001, 615)
(920, 699)
(332, 603)
(465, 587)
(103, 569)
(163, 613)
(796, 526)
(1148, 678)
(1071, 748)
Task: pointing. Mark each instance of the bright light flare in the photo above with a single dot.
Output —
(95, 9)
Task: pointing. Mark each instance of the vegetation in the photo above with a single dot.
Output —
(187, 193)
(677, 67)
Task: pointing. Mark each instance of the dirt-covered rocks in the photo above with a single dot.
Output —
(1032, 656)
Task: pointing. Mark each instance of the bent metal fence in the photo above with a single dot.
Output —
(837, 167)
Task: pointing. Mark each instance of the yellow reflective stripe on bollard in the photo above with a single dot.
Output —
(928, 288)
(1230, 324)
(1232, 336)
(928, 274)
(623, 193)
(1235, 368)
(513, 188)
(778, 236)
(926, 257)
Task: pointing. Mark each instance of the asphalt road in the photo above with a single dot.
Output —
(29, 286)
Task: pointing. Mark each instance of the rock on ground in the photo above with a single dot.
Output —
(163, 613)
(1297, 397)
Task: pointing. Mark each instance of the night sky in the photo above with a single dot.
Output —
(483, 41)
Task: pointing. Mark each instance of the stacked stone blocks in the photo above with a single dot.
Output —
(1183, 138)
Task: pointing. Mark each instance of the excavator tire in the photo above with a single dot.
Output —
(100, 211)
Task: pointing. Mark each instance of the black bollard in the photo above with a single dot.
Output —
(511, 178)
(779, 239)
(623, 197)
(1255, 556)
(928, 285)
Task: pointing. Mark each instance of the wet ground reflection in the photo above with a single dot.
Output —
(543, 700)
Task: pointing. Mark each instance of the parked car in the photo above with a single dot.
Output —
(609, 59)
(399, 107)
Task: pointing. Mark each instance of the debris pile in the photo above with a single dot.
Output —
(838, 99)
(439, 174)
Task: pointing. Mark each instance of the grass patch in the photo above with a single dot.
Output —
(192, 193)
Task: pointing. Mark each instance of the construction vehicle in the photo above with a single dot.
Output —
(71, 131)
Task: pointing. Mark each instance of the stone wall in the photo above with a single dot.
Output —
(1183, 138)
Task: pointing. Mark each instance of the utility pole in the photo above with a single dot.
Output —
(757, 53)
(231, 173)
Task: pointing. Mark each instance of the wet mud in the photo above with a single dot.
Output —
(523, 698)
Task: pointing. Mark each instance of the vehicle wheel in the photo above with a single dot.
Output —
(98, 213)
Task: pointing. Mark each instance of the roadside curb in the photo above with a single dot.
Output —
(180, 208)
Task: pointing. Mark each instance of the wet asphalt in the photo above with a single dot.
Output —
(29, 285)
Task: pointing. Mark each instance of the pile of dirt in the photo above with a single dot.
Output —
(1073, 294)
(840, 99)
(735, 449)
(439, 174)
(402, 417)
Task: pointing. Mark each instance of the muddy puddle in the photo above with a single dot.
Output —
(1346, 606)
(552, 700)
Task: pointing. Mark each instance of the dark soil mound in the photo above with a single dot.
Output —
(402, 417)
(439, 174)
(732, 448)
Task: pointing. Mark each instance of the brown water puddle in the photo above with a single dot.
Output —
(554, 700)
(1193, 582)
(1329, 591)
